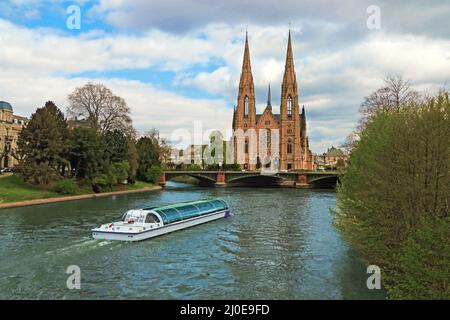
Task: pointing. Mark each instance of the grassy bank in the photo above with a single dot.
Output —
(14, 189)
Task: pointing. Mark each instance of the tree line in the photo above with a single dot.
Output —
(96, 145)
(393, 202)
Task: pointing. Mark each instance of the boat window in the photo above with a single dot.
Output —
(219, 205)
(189, 211)
(205, 206)
(171, 214)
(134, 215)
(151, 218)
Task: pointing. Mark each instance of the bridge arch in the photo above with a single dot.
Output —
(255, 180)
(326, 182)
(203, 179)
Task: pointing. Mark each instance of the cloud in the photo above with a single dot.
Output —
(347, 18)
(150, 107)
(338, 60)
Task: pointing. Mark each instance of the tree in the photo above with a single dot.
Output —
(148, 153)
(116, 145)
(86, 153)
(120, 171)
(133, 158)
(393, 96)
(103, 110)
(153, 174)
(395, 190)
(42, 146)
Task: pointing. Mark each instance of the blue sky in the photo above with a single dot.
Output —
(177, 61)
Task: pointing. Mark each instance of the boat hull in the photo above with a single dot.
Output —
(147, 234)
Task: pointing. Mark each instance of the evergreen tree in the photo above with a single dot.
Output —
(116, 146)
(148, 152)
(86, 153)
(42, 146)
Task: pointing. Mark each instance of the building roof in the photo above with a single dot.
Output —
(275, 115)
(5, 106)
(334, 152)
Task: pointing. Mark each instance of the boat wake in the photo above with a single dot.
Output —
(81, 246)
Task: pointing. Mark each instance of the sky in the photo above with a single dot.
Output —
(178, 61)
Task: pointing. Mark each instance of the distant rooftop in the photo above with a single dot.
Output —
(334, 152)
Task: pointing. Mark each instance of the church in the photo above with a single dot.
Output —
(270, 140)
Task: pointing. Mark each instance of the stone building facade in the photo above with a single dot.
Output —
(269, 140)
(10, 127)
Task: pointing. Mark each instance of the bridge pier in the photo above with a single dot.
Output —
(302, 181)
(220, 179)
(162, 180)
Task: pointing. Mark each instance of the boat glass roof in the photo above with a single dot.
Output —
(188, 210)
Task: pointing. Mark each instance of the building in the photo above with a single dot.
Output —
(333, 159)
(283, 136)
(10, 127)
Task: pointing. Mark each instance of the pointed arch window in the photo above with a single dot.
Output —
(289, 106)
(246, 107)
(246, 145)
(269, 139)
(289, 146)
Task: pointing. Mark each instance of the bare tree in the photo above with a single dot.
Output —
(103, 111)
(350, 142)
(395, 95)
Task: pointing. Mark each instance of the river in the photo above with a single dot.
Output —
(280, 244)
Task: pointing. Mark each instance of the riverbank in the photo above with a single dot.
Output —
(16, 193)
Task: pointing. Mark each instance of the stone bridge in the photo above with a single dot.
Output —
(297, 179)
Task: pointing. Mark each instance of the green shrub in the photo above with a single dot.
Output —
(424, 266)
(396, 182)
(153, 174)
(232, 166)
(193, 167)
(120, 171)
(102, 182)
(66, 187)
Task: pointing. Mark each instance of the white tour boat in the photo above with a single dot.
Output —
(141, 224)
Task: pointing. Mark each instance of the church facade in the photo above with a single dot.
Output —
(269, 140)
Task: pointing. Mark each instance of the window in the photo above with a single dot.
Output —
(267, 123)
(246, 145)
(289, 147)
(269, 138)
(246, 107)
(151, 218)
(289, 166)
(289, 106)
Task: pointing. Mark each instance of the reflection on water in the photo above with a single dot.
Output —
(280, 244)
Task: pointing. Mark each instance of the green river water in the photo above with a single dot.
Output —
(280, 244)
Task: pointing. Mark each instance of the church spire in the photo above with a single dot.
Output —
(269, 98)
(246, 98)
(246, 82)
(289, 78)
(246, 65)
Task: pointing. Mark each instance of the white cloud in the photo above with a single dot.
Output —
(43, 64)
